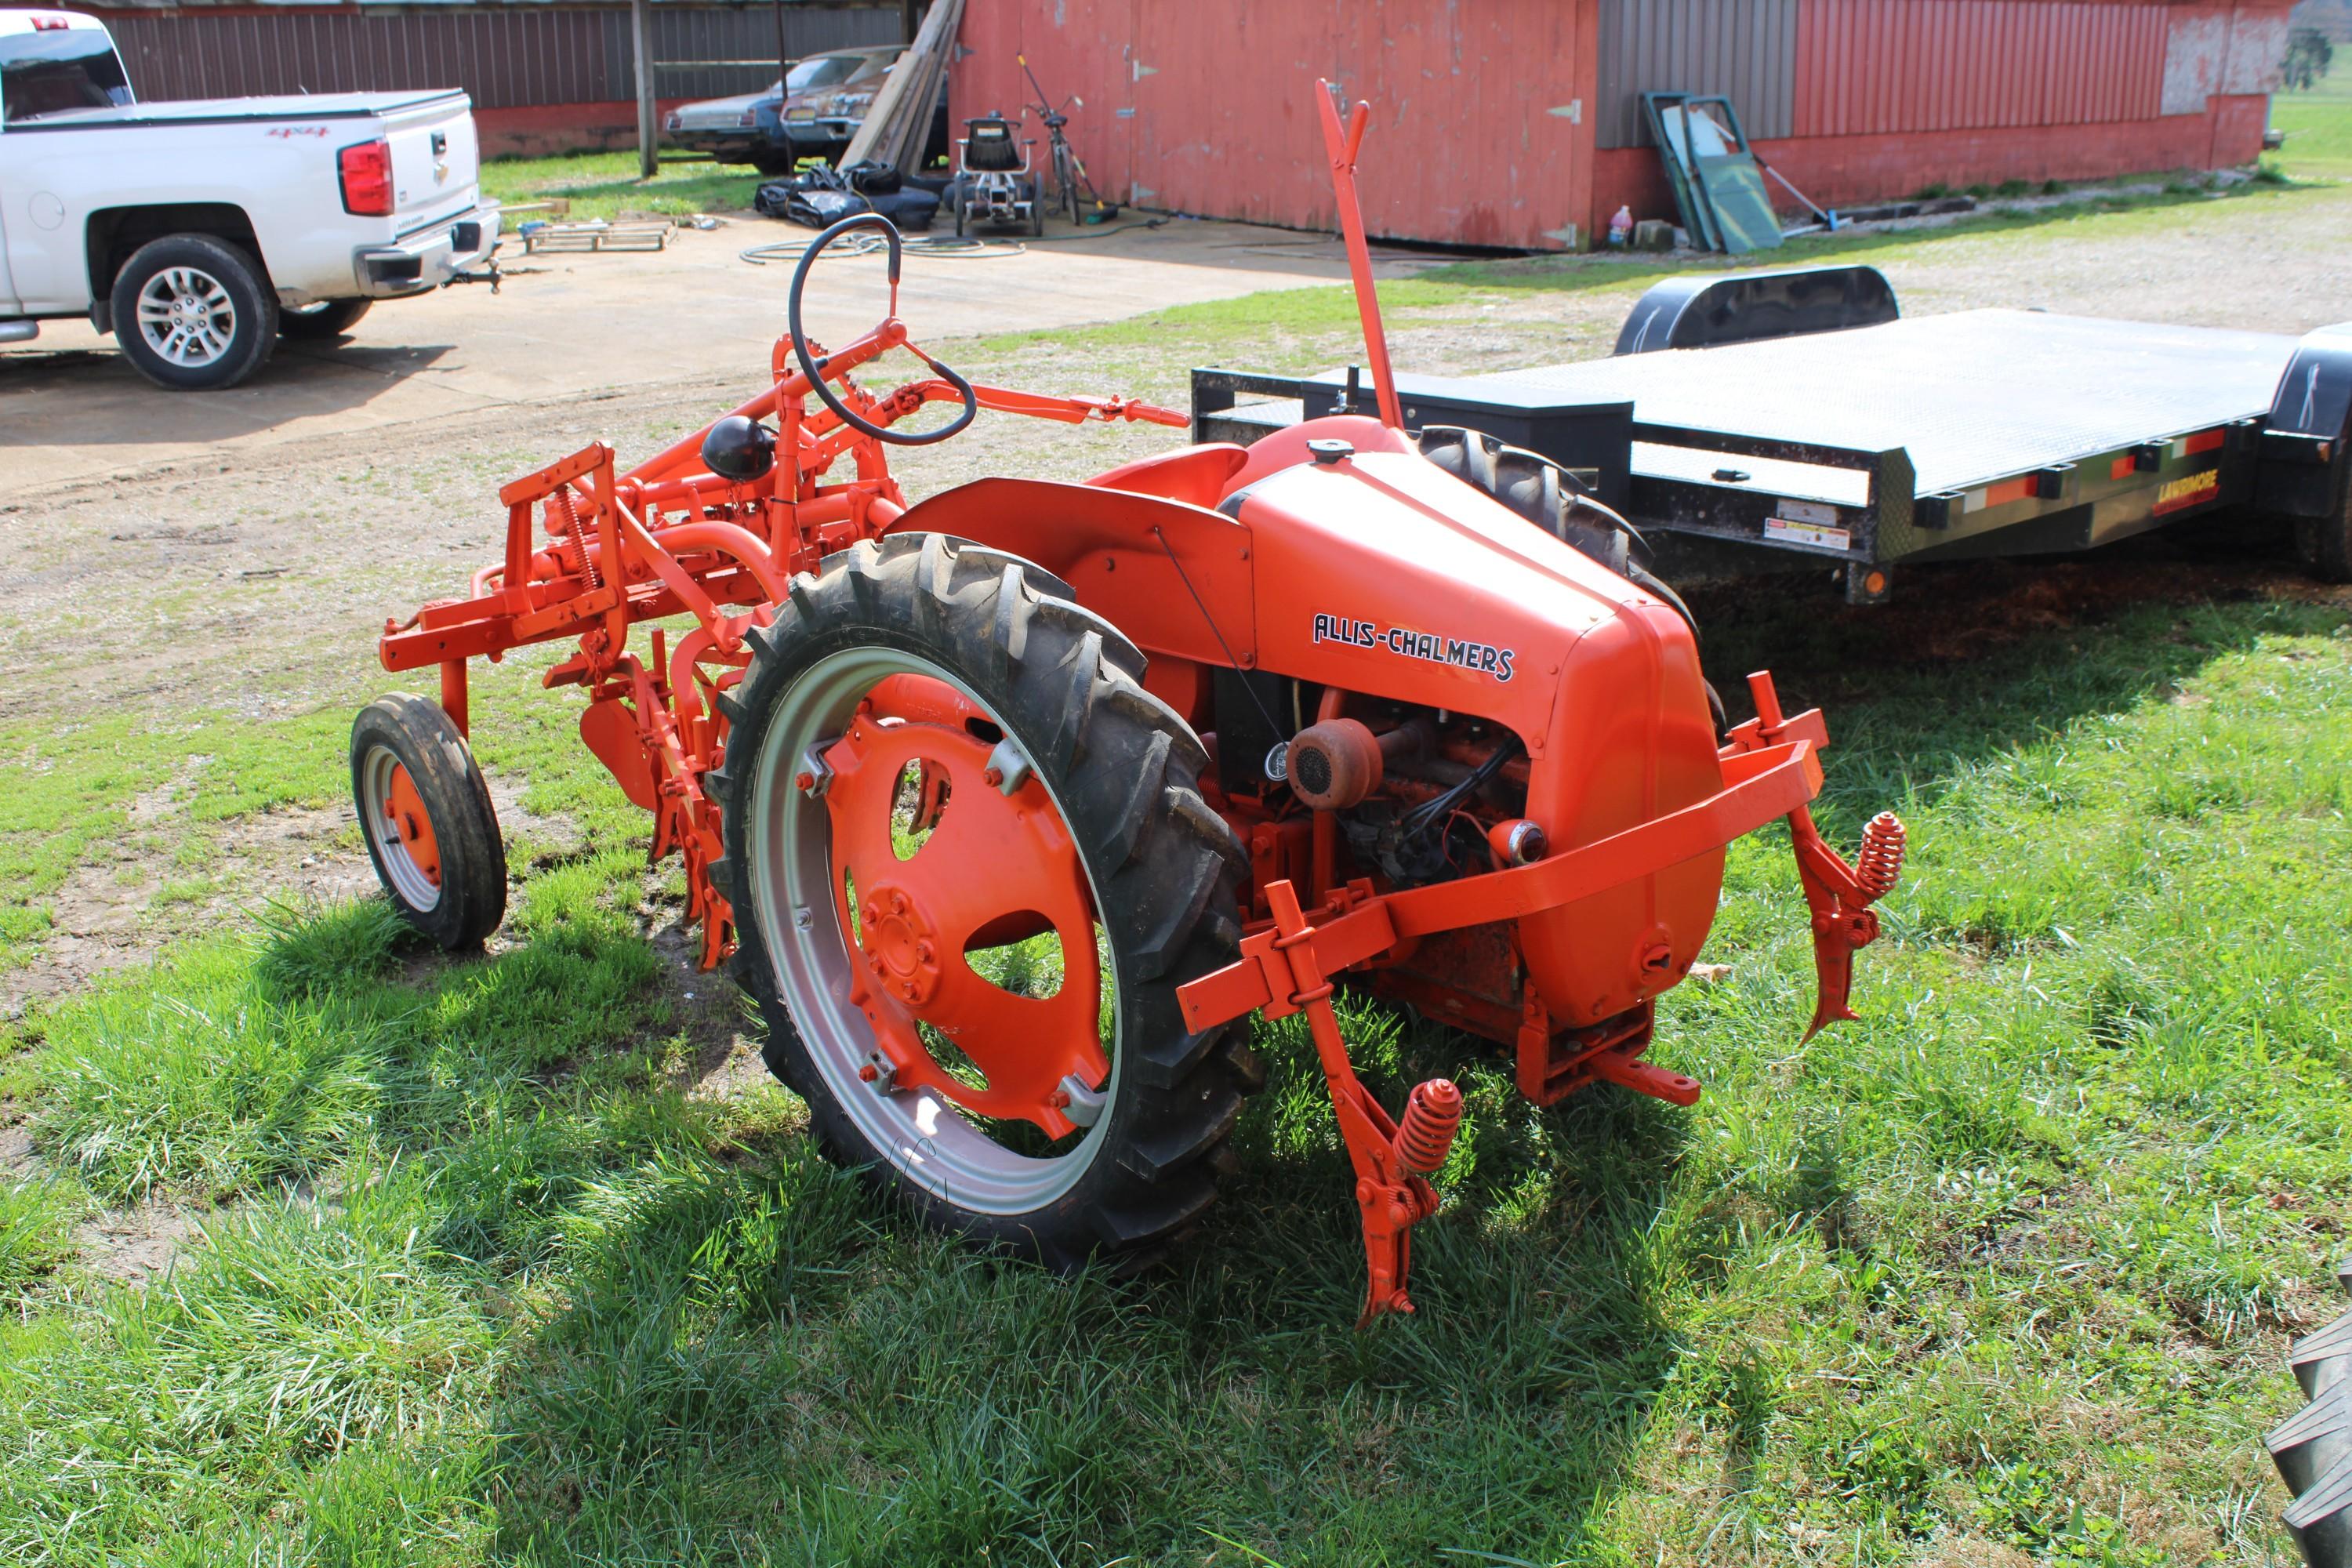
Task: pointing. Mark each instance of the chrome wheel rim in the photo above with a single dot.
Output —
(186, 316)
(416, 890)
(789, 862)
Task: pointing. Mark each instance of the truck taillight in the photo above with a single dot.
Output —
(367, 178)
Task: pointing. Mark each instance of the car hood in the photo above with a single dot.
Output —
(721, 111)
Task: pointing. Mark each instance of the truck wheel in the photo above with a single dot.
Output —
(970, 865)
(193, 313)
(328, 320)
(425, 810)
(2325, 543)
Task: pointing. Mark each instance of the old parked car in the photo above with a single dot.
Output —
(812, 112)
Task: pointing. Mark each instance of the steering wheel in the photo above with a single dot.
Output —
(814, 368)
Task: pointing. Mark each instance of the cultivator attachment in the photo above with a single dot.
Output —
(1287, 964)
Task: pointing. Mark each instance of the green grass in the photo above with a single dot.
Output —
(2001, 1264)
(606, 185)
(2117, 216)
(2318, 124)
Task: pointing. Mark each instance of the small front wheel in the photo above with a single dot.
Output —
(424, 809)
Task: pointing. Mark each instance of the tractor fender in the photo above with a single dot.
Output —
(1178, 579)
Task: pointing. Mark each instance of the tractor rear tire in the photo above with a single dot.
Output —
(1121, 768)
(447, 873)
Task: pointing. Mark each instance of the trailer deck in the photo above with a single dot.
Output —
(1973, 397)
(1797, 414)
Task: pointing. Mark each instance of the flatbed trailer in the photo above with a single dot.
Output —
(1795, 417)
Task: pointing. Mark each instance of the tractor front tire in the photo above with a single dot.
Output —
(425, 810)
(1120, 771)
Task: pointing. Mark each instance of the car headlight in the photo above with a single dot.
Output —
(673, 122)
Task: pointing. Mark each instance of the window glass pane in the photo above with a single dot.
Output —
(47, 72)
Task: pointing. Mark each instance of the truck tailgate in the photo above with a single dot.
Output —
(436, 162)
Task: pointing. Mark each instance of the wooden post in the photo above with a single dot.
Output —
(783, 56)
(641, 36)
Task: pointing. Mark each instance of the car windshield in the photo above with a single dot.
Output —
(56, 69)
(822, 70)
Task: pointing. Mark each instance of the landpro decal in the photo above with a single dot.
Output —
(1404, 641)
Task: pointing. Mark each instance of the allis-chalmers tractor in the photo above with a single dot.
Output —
(1009, 807)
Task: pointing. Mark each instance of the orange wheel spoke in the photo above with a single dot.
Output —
(993, 870)
(403, 810)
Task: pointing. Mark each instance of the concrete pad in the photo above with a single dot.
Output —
(567, 325)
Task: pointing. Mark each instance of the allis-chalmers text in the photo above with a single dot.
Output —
(1484, 657)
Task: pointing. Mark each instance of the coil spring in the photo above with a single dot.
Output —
(572, 543)
(1880, 864)
(1424, 1136)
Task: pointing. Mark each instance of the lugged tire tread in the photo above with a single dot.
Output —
(1165, 866)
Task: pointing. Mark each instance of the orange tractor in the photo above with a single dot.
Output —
(1011, 806)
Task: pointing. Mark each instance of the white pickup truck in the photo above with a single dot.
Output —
(197, 233)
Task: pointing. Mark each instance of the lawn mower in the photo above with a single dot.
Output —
(992, 183)
(1011, 806)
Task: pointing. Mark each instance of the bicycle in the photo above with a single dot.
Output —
(1069, 172)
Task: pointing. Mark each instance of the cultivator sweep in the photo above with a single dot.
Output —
(1010, 806)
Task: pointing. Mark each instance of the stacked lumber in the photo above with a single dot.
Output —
(899, 121)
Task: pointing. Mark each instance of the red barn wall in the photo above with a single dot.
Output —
(1480, 130)
(1485, 115)
(1892, 96)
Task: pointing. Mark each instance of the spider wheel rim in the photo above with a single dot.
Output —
(187, 317)
(393, 814)
(817, 965)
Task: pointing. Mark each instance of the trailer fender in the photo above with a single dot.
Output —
(2310, 426)
(1712, 308)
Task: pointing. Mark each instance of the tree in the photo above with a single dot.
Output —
(2308, 56)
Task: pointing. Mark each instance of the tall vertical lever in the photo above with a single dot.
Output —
(1341, 142)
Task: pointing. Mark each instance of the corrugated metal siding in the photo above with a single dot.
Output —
(1745, 49)
(506, 57)
(1479, 131)
(1874, 67)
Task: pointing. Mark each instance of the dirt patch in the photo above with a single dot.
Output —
(133, 1246)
